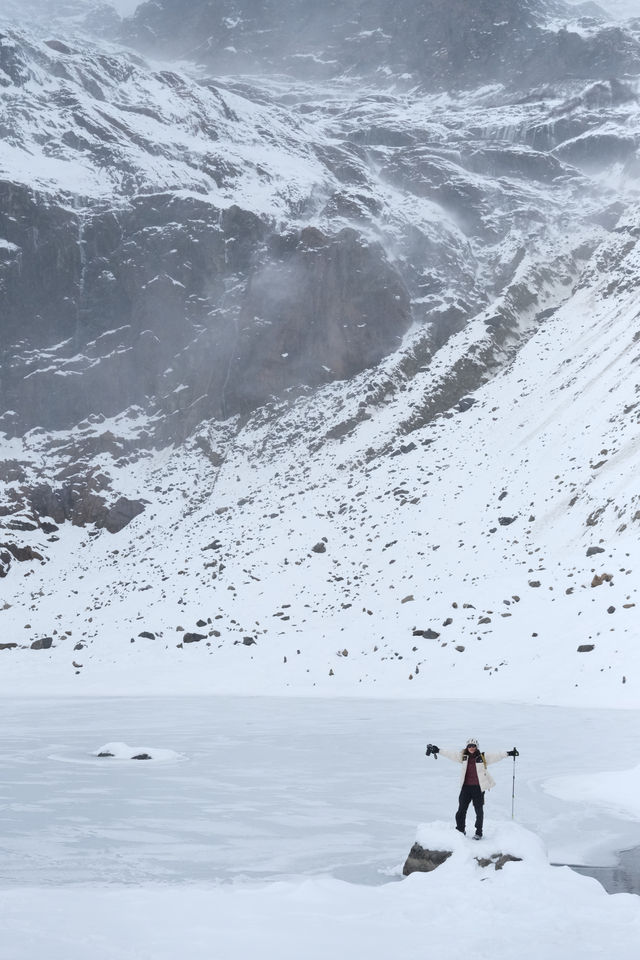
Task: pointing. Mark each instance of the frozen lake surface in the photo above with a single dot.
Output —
(278, 788)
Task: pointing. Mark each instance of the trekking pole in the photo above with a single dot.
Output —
(513, 787)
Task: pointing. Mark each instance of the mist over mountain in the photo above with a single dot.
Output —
(442, 45)
(334, 283)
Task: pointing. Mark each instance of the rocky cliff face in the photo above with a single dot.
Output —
(167, 302)
(196, 249)
(156, 296)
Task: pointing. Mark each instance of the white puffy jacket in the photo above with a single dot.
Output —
(485, 779)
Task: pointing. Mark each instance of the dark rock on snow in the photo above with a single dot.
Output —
(600, 578)
(424, 861)
(498, 860)
(120, 514)
(428, 634)
(44, 643)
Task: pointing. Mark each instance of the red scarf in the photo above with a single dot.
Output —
(471, 776)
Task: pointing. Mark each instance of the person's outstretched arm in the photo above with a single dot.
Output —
(454, 755)
(495, 757)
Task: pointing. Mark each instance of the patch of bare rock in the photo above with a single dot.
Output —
(421, 860)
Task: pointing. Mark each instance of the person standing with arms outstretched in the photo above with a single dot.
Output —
(475, 779)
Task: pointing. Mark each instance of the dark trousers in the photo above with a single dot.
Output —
(470, 793)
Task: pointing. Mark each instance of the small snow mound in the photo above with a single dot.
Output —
(122, 751)
(440, 835)
(503, 837)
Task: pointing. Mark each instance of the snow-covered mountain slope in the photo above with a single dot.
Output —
(463, 565)
(324, 389)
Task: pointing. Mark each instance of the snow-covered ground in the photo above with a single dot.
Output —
(280, 826)
(520, 911)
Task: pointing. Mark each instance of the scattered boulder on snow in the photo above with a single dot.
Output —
(43, 643)
(214, 545)
(428, 634)
(498, 860)
(601, 578)
(404, 448)
(319, 547)
(424, 861)
(593, 550)
(194, 637)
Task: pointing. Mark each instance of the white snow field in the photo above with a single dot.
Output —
(278, 827)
